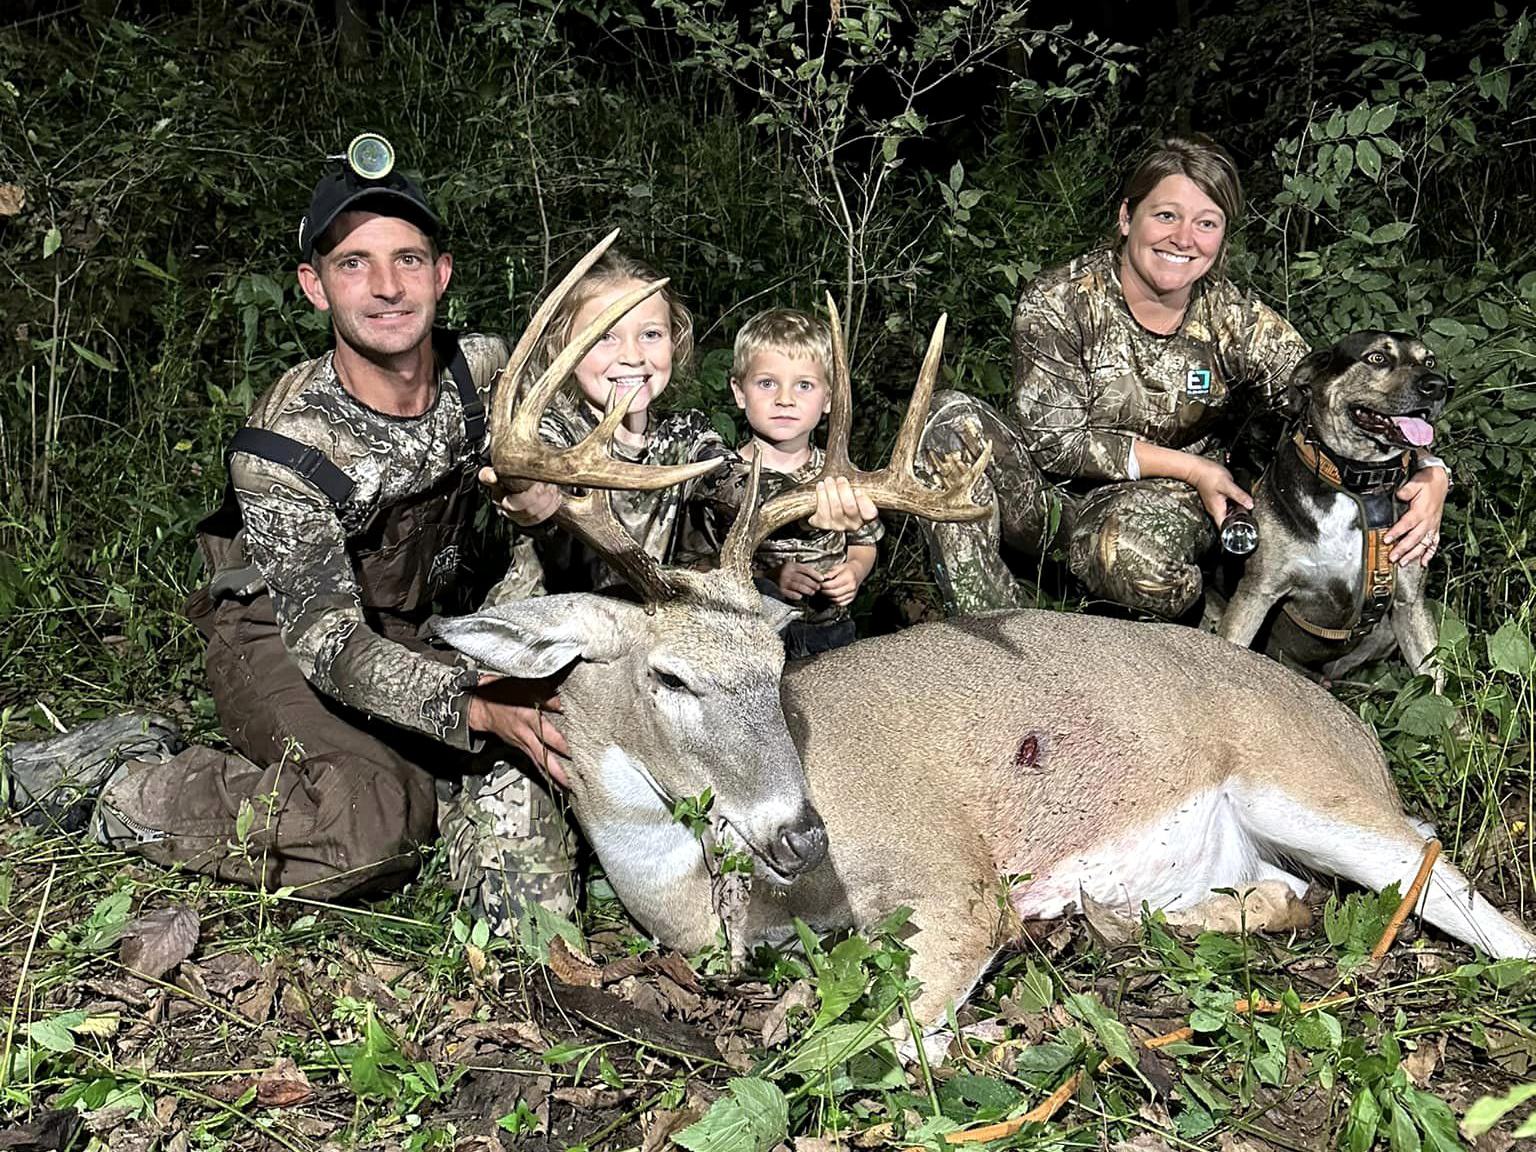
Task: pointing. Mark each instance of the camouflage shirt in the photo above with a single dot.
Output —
(717, 504)
(1089, 380)
(304, 545)
(654, 518)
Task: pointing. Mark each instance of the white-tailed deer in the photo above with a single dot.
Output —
(973, 769)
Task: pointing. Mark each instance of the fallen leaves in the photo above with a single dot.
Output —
(158, 941)
(283, 1085)
(13, 198)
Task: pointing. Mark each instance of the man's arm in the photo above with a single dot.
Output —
(293, 535)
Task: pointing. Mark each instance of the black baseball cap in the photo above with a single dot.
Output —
(393, 194)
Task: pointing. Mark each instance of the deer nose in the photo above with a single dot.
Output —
(1433, 385)
(800, 845)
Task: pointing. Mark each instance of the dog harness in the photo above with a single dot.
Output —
(1371, 487)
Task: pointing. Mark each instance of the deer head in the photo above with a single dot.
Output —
(679, 693)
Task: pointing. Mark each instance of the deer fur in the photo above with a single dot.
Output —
(979, 770)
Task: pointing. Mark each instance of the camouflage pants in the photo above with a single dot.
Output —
(509, 842)
(1136, 543)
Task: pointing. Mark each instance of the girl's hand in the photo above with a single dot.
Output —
(533, 505)
(840, 507)
(1416, 535)
(797, 581)
(840, 584)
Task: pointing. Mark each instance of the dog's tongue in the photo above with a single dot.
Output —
(1417, 432)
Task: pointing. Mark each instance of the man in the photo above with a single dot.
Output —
(351, 490)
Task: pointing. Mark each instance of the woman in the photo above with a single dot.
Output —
(1127, 362)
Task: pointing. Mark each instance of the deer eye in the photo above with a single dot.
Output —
(1376, 358)
(669, 680)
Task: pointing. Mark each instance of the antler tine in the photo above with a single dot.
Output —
(513, 373)
(894, 488)
(840, 421)
(591, 517)
(742, 540)
(517, 452)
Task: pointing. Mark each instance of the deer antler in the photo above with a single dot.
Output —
(895, 487)
(518, 453)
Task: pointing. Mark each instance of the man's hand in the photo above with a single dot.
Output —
(526, 507)
(840, 583)
(840, 507)
(515, 712)
(1416, 535)
(797, 581)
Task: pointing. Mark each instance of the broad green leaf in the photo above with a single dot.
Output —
(1391, 233)
(1427, 716)
(51, 242)
(1447, 327)
(1381, 119)
(54, 1033)
(95, 359)
(1494, 315)
(836, 1044)
(1402, 1133)
(1438, 1121)
(1509, 649)
(753, 1118)
(1111, 1033)
(1359, 116)
(1368, 158)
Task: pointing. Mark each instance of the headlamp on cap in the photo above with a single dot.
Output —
(370, 156)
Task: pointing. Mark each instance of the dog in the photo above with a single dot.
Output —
(1366, 409)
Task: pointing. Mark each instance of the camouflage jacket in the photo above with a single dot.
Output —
(655, 519)
(1089, 379)
(307, 548)
(717, 503)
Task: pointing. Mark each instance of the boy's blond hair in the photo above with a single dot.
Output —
(612, 270)
(786, 331)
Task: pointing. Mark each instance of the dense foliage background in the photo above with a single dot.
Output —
(910, 159)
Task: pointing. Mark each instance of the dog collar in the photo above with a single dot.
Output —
(1352, 475)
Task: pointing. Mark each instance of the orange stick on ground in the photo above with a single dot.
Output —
(1431, 854)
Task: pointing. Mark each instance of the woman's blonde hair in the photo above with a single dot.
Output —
(614, 270)
(1202, 161)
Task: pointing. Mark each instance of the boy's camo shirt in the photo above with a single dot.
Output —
(655, 519)
(1089, 380)
(717, 504)
(299, 539)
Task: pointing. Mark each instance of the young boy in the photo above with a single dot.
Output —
(780, 378)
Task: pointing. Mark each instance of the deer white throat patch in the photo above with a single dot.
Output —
(635, 833)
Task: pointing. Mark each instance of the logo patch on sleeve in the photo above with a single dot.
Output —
(1197, 383)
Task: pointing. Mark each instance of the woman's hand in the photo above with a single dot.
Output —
(1218, 491)
(1416, 535)
(533, 505)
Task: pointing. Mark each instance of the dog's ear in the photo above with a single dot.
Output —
(1298, 390)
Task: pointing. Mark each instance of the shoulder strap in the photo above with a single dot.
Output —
(308, 462)
(446, 345)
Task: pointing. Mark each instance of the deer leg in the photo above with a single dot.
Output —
(1376, 846)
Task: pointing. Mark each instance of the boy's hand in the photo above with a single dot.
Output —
(840, 583)
(840, 507)
(533, 505)
(797, 581)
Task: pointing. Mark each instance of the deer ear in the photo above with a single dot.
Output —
(779, 614)
(539, 636)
